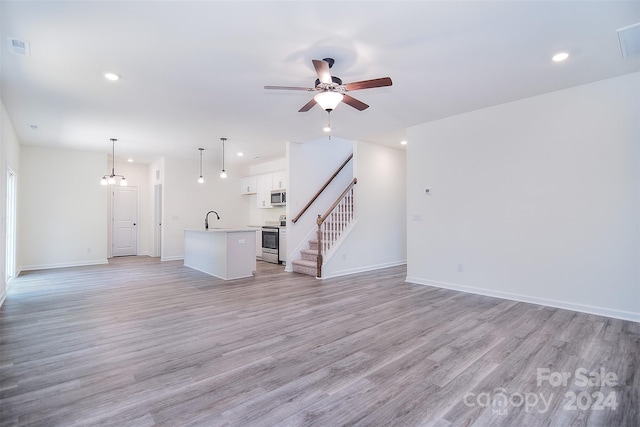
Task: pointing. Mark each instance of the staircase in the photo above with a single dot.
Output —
(308, 263)
(331, 227)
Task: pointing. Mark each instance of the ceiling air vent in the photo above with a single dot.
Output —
(629, 40)
(19, 47)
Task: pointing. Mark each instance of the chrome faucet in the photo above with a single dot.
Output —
(206, 219)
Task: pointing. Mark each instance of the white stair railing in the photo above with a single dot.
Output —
(334, 222)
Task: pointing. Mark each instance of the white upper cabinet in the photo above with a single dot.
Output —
(248, 185)
(278, 180)
(264, 186)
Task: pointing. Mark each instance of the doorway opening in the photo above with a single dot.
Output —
(157, 221)
(10, 250)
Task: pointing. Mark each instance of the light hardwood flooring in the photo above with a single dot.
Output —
(141, 342)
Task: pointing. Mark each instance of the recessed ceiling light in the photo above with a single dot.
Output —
(403, 142)
(327, 128)
(130, 160)
(111, 76)
(560, 56)
(240, 154)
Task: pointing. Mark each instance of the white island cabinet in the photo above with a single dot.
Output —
(221, 252)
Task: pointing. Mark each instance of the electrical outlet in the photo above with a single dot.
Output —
(417, 217)
(460, 268)
(241, 242)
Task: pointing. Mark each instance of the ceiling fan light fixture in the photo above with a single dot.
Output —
(328, 100)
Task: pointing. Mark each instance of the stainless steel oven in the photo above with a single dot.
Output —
(270, 244)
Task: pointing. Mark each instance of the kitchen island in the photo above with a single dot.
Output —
(226, 253)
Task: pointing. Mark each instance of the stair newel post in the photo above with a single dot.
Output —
(319, 257)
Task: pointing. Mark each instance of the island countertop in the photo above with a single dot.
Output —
(222, 230)
(227, 253)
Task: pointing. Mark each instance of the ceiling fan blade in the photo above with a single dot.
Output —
(308, 89)
(358, 105)
(368, 84)
(307, 106)
(322, 68)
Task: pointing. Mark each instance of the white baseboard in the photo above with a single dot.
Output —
(172, 258)
(62, 265)
(363, 269)
(6, 291)
(566, 305)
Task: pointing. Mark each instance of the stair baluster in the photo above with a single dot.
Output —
(340, 216)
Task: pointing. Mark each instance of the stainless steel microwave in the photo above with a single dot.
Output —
(278, 198)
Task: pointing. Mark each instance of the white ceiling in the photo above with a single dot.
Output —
(193, 72)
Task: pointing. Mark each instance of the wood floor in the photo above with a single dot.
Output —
(140, 342)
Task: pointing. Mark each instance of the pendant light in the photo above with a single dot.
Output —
(111, 179)
(201, 179)
(223, 174)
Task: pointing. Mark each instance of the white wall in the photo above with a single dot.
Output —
(62, 208)
(156, 177)
(309, 166)
(538, 200)
(379, 239)
(186, 202)
(9, 156)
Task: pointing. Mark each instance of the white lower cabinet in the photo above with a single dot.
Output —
(259, 243)
(282, 249)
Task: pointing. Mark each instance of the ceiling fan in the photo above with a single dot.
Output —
(330, 89)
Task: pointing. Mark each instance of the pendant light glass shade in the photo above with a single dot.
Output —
(111, 179)
(223, 174)
(328, 100)
(201, 179)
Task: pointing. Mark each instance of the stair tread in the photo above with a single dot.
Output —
(305, 263)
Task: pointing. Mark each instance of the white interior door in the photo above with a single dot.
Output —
(125, 221)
